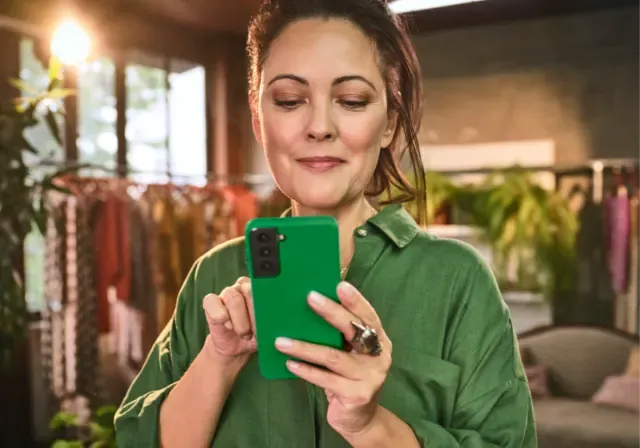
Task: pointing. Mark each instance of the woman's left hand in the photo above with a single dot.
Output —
(353, 381)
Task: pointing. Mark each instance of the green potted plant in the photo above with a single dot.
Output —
(22, 196)
(99, 432)
(526, 226)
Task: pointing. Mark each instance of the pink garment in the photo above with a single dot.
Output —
(618, 218)
(621, 392)
(126, 333)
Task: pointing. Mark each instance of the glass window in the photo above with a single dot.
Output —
(187, 122)
(97, 138)
(166, 120)
(147, 130)
(35, 74)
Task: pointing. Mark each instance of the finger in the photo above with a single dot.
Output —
(334, 313)
(215, 311)
(244, 283)
(337, 361)
(355, 302)
(331, 382)
(235, 303)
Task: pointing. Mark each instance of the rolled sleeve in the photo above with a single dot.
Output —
(137, 419)
(493, 406)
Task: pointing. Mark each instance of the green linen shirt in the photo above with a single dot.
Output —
(456, 377)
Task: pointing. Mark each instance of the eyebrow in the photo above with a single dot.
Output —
(340, 80)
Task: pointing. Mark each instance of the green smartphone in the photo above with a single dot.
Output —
(287, 259)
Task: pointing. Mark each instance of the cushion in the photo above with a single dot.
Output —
(620, 391)
(579, 359)
(564, 423)
(537, 379)
(633, 364)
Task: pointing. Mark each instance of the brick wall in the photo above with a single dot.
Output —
(573, 79)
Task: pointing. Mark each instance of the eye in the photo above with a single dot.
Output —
(354, 104)
(288, 104)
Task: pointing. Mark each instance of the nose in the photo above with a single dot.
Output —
(321, 124)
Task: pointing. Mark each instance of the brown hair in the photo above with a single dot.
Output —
(401, 72)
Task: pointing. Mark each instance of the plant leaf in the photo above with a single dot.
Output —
(60, 93)
(52, 124)
(99, 444)
(55, 72)
(63, 420)
(23, 87)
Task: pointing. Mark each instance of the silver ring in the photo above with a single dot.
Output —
(365, 340)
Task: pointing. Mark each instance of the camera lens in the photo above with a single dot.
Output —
(266, 266)
(264, 237)
(265, 252)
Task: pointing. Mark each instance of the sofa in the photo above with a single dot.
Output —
(577, 360)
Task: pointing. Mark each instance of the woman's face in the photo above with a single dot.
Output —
(322, 112)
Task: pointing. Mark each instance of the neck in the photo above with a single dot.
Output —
(349, 217)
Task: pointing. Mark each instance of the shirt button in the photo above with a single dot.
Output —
(361, 232)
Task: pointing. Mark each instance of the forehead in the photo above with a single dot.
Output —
(322, 49)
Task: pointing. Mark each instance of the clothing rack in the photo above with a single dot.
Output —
(121, 172)
(595, 168)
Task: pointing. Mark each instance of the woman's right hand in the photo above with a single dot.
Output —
(232, 329)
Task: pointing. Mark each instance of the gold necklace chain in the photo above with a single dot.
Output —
(344, 270)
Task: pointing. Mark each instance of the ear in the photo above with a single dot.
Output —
(255, 121)
(390, 130)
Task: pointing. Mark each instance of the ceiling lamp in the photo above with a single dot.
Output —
(70, 43)
(403, 6)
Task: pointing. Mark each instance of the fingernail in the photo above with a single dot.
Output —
(293, 365)
(284, 342)
(317, 298)
(228, 325)
(347, 288)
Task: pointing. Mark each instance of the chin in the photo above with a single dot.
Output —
(318, 200)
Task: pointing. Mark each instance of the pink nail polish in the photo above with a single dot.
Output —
(284, 342)
(347, 288)
(293, 365)
(317, 298)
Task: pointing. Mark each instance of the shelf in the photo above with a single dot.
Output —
(453, 231)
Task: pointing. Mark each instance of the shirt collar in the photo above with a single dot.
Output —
(394, 221)
(397, 224)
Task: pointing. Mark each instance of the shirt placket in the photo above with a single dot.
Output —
(369, 245)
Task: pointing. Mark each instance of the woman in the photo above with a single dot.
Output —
(335, 93)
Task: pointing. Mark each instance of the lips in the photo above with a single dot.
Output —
(320, 163)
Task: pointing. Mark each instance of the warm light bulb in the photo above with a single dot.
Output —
(403, 6)
(70, 43)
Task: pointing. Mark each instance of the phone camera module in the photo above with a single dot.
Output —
(265, 252)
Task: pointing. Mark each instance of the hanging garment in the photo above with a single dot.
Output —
(594, 293)
(71, 303)
(168, 258)
(634, 246)
(112, 255)
(69, 337)
(220, 220)
(52, 339)
(87, 350)
(617, 213)
(185, 232)
(245, 205)
(143, 290)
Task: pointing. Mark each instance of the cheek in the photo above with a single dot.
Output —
(363, 134)
(278, 134)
